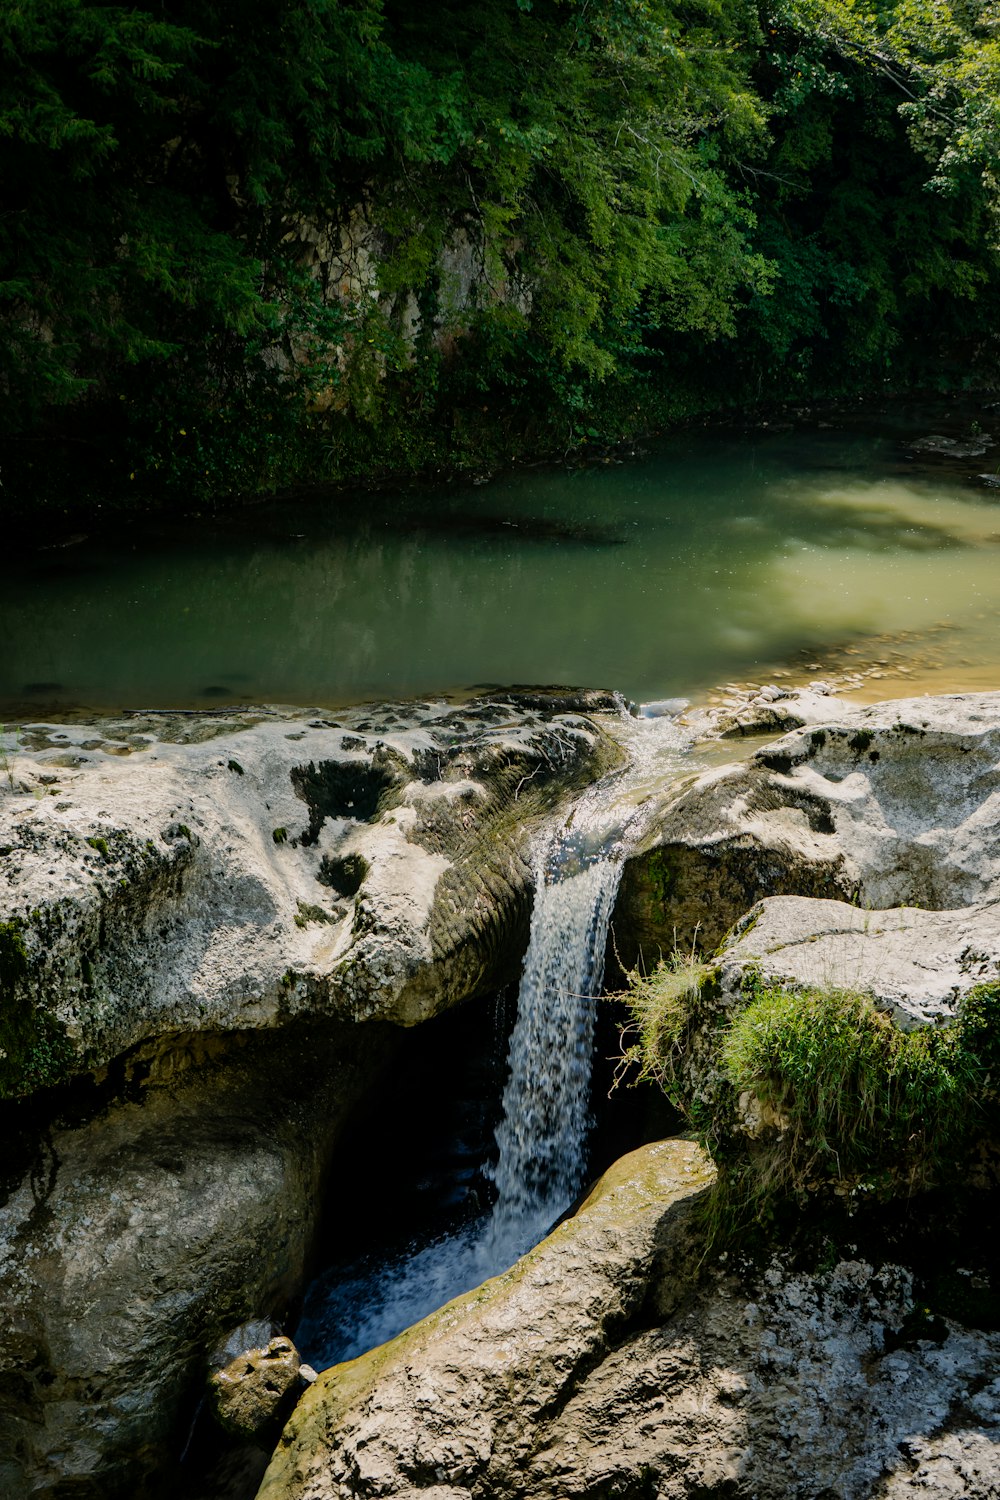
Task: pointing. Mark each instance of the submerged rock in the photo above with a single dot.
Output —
(183, 873)
(606, 1363)
(973, 446)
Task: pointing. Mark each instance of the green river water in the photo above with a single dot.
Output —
(709, 558)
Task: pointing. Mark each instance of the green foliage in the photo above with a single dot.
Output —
(324, 238)
(802, 1090)
(666, 1008)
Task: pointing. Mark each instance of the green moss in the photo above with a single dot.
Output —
(849, 1100)
(101, 845)
(810, 1090)
(34, 1048)
(861, 741)
(661, 876)
(13, 954)
(280, 835)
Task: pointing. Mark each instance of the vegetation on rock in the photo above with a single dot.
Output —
(34, 1049)
(796, 1090)
(326, 239)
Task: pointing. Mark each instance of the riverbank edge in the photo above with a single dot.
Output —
(121, 501)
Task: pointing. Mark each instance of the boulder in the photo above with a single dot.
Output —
(895, 804)
(917, 965)
(167, 874)
(256, 1386)
(136, 1231)
(610, 1361)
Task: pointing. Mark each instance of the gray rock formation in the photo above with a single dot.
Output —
(896, 804)
(916, 964)
(195, 912)
(604, 1364)
(132, 1240)
(174, 874)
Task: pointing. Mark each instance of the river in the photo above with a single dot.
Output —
(711, 557)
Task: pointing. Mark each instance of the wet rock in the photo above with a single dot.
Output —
(664, 708)
(250, 1392)
(606, 1363)
(759, 711)
(457, 1397)
(164, 891)
(895, 804)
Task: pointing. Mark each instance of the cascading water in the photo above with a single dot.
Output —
(542, 1138)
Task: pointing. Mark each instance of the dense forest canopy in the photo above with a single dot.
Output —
(303, 239)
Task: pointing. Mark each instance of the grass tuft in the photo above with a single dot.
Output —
(796, 1091)
(850, 1094)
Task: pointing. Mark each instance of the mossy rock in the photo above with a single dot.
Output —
(35, 1050)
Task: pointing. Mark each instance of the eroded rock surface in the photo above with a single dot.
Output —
(916, 964)
(132, 1240)
(176, 873)
(890, 805)
(605, 1364)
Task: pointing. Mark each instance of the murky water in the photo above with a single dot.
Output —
(712, 558)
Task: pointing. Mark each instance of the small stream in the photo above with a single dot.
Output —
(542, 1142)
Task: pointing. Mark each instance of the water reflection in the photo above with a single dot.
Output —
(700, 562)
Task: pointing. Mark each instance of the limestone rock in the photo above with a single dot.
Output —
(250, 1392)
(895, 804)
(132, 1238)
(177, 873)
(917, 964)
(604, 1363)
(457, 1400)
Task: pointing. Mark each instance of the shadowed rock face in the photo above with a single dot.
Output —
(132, 1241)
(897, 804)
(182, 873)
(603, 1364)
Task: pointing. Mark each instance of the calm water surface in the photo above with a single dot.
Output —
(713, 557)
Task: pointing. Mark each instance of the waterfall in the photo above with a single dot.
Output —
(543, 1134)
(542, 1137)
